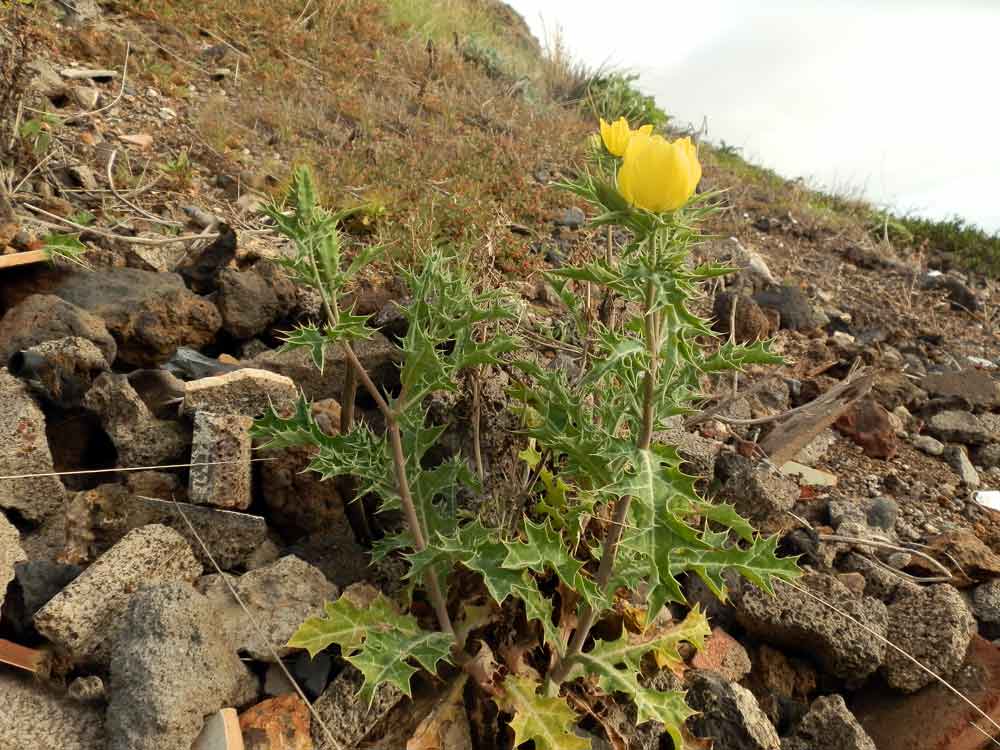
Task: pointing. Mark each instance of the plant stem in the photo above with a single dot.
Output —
(613, 534)
(398, 459)
(347, 399)
(403, 486)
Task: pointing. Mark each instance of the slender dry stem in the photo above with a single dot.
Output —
(398, 458)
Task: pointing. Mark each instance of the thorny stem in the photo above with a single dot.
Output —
(398, 459)
(613, 534)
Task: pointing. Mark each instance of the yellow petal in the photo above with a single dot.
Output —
(616, 135)
(658, 175)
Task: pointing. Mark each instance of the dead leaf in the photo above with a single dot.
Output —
(142, 140)
(446, 727)
(567, 611)
(473, 617)
(515, 655)
(484, 670)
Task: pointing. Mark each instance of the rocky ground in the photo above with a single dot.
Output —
(872, 451)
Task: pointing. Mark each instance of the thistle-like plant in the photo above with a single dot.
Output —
(614, 513)
(442, 319)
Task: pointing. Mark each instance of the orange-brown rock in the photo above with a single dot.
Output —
(280, 723)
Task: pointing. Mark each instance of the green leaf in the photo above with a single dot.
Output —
(737, 356)
(758, 563)
(546, 549)
(616, 664)
(309, 337)
(384, 658)
(347, 625)
(480, 550)
(377, 640)
(548, 722)
(619, 350)
(65, 246)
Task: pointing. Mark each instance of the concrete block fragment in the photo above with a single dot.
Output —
(223, 446)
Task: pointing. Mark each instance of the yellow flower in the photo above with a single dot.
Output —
(657, 174)
(616, 135)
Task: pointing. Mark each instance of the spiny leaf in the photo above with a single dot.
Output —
(545, 548)
(347, 625)
(383, 658)
(548, 722)
(377, 640)
(737, 356)
(758, 563)
(617, 666)
(478, 549)
(309, 337)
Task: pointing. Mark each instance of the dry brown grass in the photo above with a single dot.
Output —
(383, 111)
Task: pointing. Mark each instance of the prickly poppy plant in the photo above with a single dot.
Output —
(614, 524)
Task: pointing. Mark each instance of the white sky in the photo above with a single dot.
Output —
(898, 98)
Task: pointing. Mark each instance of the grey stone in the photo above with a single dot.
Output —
(248, 392)
(879, 582)
(276, 682)
(62, 369)
(86, 97)
(378, 355)
(10, 554)
(976, 388)
(934, 625)
(846, 511)
(140, 438)
(698, 451)
(758, 492)
(796, 311)
(87, 689)
(899, 560)
(44, 317)
(960, 295)
(40, 580)
(312, 674)
(729, 714)
(958, 458)
(791, 619)
(98, 518)
(46, 80)
(828, 725)
(25, 450)
(36, 717)
(298, 500)
(171, 666)
(159, 389)
(572, 217)
(882, 513)
(280, 596)
(150, 314)
(959, 427)
(222, 446)
(930, 446)
(988, 456)
(84, 617)
(986, 602)
(348, 717)
(816, 448)
(337, 553)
